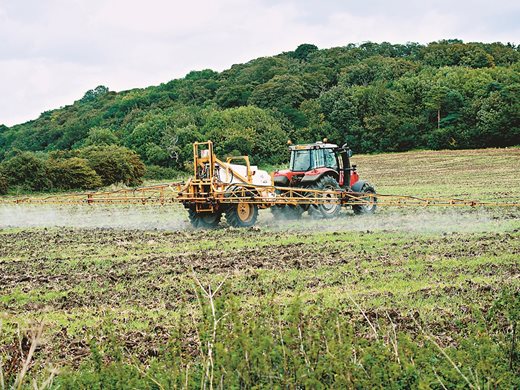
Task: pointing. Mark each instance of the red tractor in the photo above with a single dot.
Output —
(322, 166)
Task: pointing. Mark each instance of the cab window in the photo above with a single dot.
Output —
(330, 159)
(319, 160)
(300, 160)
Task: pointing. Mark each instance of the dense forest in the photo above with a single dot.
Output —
(376, 97)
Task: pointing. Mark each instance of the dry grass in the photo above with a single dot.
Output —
(486, 174)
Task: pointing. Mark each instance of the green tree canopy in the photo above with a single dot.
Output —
(303, 51)
(115, 164)
(4, 184)
(27, 171)
(72, 173)
(247, 131)
(376, 96)
(100, 136)
(279, 92)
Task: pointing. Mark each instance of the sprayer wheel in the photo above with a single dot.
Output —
(242, 214)
(204, 220)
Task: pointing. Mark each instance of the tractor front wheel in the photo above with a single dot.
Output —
(242, 215)
(204, 220)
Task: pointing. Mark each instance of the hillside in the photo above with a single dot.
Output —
(376, 97)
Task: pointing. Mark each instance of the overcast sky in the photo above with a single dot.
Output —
(52, 51)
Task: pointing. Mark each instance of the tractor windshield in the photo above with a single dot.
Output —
(307, 159)
(300, 160)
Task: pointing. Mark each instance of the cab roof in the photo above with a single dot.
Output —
(315, 145)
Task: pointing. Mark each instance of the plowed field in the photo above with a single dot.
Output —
(125, 282)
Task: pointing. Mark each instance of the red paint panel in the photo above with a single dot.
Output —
(354, 177)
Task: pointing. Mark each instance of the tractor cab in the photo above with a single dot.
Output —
(305, 159)
(310, 162)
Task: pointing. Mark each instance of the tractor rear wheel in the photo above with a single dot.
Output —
(204, 220)
(326, 209)
(242, 214)
(368, 208)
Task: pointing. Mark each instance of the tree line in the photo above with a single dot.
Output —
(376, 97)
(87, 168)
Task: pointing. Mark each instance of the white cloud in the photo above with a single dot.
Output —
(51, 52)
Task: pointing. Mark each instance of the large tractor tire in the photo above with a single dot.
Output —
(204, 220)
(241, 214)
(326, 210)
(363, 187)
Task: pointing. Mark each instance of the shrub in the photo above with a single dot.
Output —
(4, 185)
(115, 164)
(27, 171)
(72, 173)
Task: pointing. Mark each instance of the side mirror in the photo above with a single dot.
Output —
(347, 149)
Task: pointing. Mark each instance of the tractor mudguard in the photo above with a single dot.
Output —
(316, 174)
(358, 186)
(281, 181)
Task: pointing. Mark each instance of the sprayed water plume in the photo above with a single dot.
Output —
(409, 220)
(175, 218)
(117, 217)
